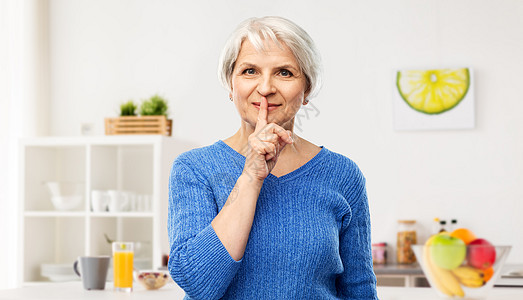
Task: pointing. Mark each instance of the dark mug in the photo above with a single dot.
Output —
(94, 271)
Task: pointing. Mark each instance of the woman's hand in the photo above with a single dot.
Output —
(265, 145)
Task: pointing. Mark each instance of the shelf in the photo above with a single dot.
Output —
(58, 240)
(90, 214)
(51, 213)
(116, 140)
(50, 164)
(122, 214)
(137, 164)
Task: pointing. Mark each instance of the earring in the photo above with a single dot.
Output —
(305, 101)
(230, 98)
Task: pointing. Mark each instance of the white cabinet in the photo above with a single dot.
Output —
(137, 164)
(400, 275)
(402, 280)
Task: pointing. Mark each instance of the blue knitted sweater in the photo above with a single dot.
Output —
(310, 237)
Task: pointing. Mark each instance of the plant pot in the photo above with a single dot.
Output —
(138, 125)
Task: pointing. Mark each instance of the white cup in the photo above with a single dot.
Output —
(99, 200)
(133, 202)
(143, 203)
(140, 203)
(148, 202)
(118, 201)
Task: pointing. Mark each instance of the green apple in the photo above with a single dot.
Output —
(447, 252)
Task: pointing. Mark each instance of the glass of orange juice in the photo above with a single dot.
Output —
(123, 256)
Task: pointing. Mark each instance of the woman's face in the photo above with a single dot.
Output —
(274, 74)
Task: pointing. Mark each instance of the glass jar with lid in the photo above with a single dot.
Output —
(379, 253)
(406, 237)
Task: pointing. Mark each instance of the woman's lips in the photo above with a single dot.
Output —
(271, 107)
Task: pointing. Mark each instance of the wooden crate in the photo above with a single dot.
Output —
(138, 125)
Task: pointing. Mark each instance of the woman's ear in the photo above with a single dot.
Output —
(230, 96)
(306, 94)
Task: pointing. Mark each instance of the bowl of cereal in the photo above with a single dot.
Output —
(152, 279)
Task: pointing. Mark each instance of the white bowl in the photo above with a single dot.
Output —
(65, 195)
(63, 188)
(65, 203)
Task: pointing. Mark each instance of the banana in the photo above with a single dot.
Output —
(443, 279)
(472, 283)
(449, 281)
(470, 277)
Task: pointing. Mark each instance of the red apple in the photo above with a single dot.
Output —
(481, 254)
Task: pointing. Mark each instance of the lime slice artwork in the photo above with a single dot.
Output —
(433, 91)
(438, 98)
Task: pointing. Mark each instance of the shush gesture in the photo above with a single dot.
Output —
(265, 145)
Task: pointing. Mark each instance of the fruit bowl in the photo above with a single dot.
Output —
(461, 271)
(152, 280)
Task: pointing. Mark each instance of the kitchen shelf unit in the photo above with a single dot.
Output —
(136, 163)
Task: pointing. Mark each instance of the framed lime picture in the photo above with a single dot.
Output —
(434, 99)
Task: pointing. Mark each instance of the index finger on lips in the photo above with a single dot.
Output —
(262, 114)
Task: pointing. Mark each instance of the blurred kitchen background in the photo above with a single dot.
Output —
(68, 64)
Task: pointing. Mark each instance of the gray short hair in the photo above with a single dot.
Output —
(280, 30)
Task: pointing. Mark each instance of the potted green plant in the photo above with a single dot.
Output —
(128, 108)
(154, 106)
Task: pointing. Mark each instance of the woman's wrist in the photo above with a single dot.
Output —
(251, 180)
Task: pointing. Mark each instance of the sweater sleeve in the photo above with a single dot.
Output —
(198, 261)
(358, 280)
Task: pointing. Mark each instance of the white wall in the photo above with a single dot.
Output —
(24, 96)
(4, 149)
(105, 52)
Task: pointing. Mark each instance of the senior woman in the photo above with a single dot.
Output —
(266, 214)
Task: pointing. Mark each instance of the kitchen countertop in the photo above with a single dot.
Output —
(74, 290)
(395, 269)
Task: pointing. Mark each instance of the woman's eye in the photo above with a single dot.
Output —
(285, 73)
(249, 71)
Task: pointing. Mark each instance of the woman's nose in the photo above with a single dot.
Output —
(265, 86)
